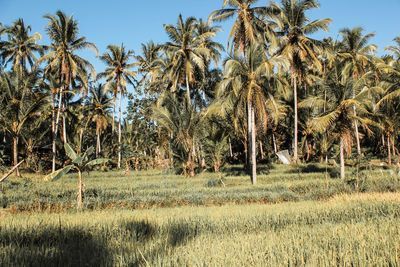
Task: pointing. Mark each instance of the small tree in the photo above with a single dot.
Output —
(79, 163)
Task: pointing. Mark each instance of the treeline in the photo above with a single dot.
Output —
(195, 105)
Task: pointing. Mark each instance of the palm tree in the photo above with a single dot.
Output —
(248, 82)
(117, 61)
(188, 55)
(20, 104)
(150, 62)
(20, 47)
(183, 124)
(100, 104)
(247, 27)
(395, 49)
(357, 55)
(295, 45)
(62, 60)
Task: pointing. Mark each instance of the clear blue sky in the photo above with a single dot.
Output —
(134, 22)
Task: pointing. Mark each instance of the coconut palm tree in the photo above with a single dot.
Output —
(294, 26)
(21, 47)
(63, 60)
(100, 105)
(20, 104)
(395, 49)
(249, 82)
(358, 55)
(183, 124)
(188, 56)
(117, 71)
(149, 62)
(248, 26)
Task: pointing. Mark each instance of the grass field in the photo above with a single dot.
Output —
(295, 216)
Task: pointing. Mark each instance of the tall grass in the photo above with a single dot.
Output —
(148, 189)
(349, 230)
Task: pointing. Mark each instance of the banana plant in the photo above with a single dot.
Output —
(80, 164)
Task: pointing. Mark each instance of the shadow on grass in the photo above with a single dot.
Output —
(50, 246)
(140, 243)
(238, 170)
(334, 172)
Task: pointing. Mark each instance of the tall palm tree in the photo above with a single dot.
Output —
(100, 105)
(149, 62)
(117, 61)
(357, 54)
(188, 56)
(63, 60)
(299, 49)
(248, 82)
(20, 104)
(21, 47)
(248, 26)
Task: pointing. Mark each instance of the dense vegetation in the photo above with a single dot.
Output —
(276, 88)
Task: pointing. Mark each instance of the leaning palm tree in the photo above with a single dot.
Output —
(249, 82)
(20, 104)
(63, 60)
(21, 47)
(248, 26)
(188, 56)
(117, 71)
(294, 44)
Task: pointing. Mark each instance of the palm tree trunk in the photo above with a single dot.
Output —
(98, 145)
(15, 152)
(56, 129)
(389, 152)
(188, 90)
(274, 141)
(252, 142)
(119, 130)
(230, 147)
(356, 130)
(261, 150)
(295, 119)
(64, 125)
(342, 174)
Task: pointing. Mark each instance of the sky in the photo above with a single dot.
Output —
(133, 22)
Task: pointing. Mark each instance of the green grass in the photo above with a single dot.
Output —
(346, 231)
(294, 216)
(148, 189)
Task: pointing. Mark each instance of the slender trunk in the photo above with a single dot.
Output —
(356, 130)
(342, 174)
(80, 190)
(274, 141)
(295, 119)
(15, 150)
(252, 142)
(119, 130)
(80, 140)
(53, 123)
(261, 150)
(98, 145)
(64, 124)
(188, 90)
(249, 149)
(230, 147)
(393, 147)
(389, 152)
(56, 129)
(383, 139)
